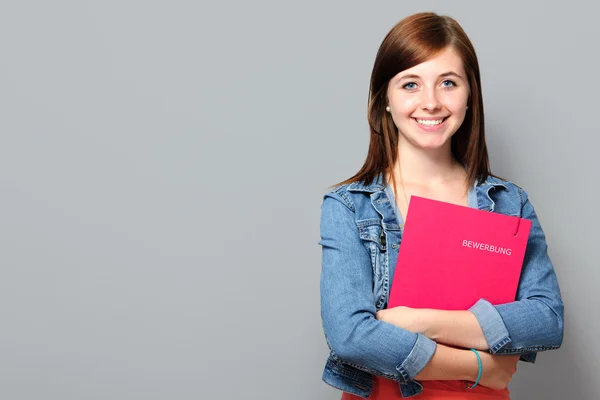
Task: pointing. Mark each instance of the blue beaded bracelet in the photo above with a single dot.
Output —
(479, 371)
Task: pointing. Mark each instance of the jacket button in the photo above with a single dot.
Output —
(382, 240)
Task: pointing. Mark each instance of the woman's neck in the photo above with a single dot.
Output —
(426, 168)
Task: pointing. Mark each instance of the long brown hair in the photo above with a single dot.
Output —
(412, 41)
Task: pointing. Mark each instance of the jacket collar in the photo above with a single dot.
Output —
(494, 182)
(377, 185)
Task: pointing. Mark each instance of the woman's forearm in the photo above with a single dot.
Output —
(449, 363)
(454, 328)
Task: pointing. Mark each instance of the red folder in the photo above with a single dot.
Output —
(451, 256)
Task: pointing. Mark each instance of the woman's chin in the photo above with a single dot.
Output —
(433, 145)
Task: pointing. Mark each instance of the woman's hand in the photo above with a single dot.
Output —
(411, 319)
(497, 370)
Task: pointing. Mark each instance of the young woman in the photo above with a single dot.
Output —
(426, 139)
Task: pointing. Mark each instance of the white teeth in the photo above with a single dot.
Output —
(429, 122)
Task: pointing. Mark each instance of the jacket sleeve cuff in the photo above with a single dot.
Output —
(492, 325)
(418, 358)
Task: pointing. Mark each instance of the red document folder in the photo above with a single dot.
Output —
(451, 256)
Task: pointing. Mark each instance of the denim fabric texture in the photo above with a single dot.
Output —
(361, 234)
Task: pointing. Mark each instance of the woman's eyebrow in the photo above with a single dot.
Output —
(450, 73)
(409, 76)
(444, 75)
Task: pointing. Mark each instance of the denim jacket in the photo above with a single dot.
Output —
(360, 238)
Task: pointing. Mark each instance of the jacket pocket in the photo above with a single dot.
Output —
(374, 239)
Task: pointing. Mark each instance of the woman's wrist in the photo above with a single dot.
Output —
(479, 369)
(450, 363)
(472, 365)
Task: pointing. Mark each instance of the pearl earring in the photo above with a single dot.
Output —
(387, 109)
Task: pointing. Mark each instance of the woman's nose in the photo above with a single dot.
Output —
(430, 101)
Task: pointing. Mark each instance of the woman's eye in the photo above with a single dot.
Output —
(409, 86)
(448, 83)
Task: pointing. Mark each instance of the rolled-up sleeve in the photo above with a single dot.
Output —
(348, 309)
(534, 322)
(494, 330)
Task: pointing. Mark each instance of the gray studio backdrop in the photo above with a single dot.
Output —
(162, 165)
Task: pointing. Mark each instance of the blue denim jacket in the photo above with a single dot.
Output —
(360, 238)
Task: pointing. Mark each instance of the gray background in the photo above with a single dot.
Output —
(161, 172)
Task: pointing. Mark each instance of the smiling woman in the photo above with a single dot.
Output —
(427, 138)
(424, 98)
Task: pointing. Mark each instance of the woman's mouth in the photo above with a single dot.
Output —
(431, 125)
(430, 122)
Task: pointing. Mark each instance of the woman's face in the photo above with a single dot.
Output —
(428, 102)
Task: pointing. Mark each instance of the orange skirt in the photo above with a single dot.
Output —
(386, 389)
